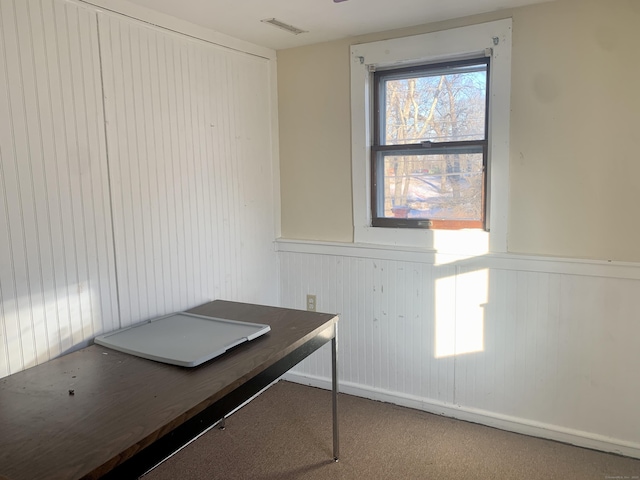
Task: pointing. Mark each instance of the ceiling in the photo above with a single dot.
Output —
(323, 20)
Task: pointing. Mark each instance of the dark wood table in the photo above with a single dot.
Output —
(101, 413)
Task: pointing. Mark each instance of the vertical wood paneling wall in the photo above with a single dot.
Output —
(189, 141)
(168, 204)
(535, 346)
(57, 285)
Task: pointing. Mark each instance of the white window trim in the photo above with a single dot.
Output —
(448, 44)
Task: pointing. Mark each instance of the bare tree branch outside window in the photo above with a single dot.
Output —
(430, 151)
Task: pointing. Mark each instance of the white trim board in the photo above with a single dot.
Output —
(503, 261)
(167, 22)
(503, 422)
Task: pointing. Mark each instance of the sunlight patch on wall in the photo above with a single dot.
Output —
(37, 329)
(452, 245)
(460, 301)
(445, 316)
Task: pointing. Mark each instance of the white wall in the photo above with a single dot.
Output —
(57, 277)
(540, 346)
(136, 175)
(189, 136)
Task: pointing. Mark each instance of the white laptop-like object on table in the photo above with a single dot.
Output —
(182, 338)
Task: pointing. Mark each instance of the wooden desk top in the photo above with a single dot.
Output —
(121, 403)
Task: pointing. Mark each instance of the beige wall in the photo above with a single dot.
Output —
(575, 136)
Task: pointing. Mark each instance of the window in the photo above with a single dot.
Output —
(428, 158)
(443, 175)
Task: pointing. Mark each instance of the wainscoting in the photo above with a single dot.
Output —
(537, 345)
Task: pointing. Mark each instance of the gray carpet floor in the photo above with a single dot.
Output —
(285, 433)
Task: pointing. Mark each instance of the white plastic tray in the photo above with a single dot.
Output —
(182, 338)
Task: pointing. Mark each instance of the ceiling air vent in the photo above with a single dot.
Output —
(284, 26)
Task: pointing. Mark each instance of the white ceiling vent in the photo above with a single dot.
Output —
(284, 26)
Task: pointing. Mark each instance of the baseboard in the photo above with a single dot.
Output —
(503, 422)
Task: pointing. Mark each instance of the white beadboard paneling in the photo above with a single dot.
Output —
(387, 322)
(497, 340)
(189, 141)
(190, 177)
(563, 354)
(57, 283)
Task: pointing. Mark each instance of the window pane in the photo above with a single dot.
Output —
(436, 187)
(439, 105)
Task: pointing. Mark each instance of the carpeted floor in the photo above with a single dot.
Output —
(285, 433)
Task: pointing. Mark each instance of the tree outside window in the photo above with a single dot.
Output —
(430, 146)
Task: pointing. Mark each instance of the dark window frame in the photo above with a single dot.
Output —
(378, 149)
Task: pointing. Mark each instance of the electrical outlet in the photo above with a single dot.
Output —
(311, 303)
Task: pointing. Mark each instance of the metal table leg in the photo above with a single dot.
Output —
(334, 381)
